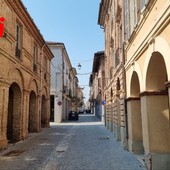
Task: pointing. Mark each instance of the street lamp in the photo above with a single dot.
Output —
(79, 66)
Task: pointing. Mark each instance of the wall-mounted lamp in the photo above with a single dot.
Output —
(79, 66)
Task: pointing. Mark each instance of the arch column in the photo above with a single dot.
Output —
(48, 112)
(135, 140)
(26, 94)
(156, 136)
(4, 90)
(117, 119)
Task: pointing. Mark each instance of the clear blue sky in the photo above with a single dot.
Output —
(73, 22)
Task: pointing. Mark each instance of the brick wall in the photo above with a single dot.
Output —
(19, 75)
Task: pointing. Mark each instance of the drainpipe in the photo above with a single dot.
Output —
(41, 77)
(63, 105)
(125, 101)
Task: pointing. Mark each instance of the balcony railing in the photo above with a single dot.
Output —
(117, 59)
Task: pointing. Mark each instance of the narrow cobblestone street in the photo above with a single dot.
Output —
(73, 145)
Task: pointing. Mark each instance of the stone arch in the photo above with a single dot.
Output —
(135, 140)
(134, 85)
(14, 113)
(33, 116)
(156, 78)
(44, 91)
(154, 98)
(135, 67)
(157, 107)
(44, 108)
(33, 85)
(165, 52)
(15, 75)
(33, 113)
(44, 114)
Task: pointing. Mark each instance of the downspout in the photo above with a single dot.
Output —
(125, 101)
(63, 105)
(124, 77)
(41, 79)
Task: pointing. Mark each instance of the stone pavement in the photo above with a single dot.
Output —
(73, 145)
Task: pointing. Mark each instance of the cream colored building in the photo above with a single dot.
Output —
(97, 85)
(142, 29)
(63, 83)
(24, 76)
(147, 50)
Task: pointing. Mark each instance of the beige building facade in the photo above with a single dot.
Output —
(147, 67)
(137, 90)
(24, 76)
(96, 84)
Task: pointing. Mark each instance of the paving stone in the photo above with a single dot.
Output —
(73, 145)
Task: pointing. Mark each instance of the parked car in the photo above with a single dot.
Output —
(88, 111)
(73, 115)
(81, 110)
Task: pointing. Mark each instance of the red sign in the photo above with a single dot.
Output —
(2, 19)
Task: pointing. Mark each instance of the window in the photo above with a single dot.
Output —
(45, 68)
(127, 21)
(135, 13)
(111, 73)
(18, 41)
(117, 60)
(143, 4)
(35, 58)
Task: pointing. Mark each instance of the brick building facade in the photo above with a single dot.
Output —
(111, 19)
(24, 76)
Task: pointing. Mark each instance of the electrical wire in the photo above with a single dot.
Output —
(66, 73)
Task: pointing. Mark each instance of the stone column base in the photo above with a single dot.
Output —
(136, 147)
(117, 133)
(156, 161)
(124, 140)
(3, 144)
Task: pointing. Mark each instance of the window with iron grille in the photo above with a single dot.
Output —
(127, 20)
(117, 59)
(35, 58)
(111, 73)
(45, 68)
(143, 4)
(135, 12)
(18, 41)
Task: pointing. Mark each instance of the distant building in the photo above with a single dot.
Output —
(24, 76)
(64, 83)
(96, 83)
(80, 98)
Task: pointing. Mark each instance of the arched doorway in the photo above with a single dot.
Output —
(135, 140)
(33, 116)
(14, 114)
(156, 112)
(44, 118)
